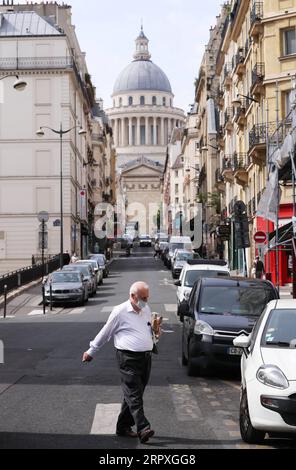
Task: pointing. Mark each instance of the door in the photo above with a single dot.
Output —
(2, 245)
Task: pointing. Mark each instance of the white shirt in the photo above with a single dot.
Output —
(131, 330)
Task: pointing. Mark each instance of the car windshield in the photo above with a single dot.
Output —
(176, 246)
(245, 301)
(186, 256)
(81, 268)
(193, 276)
(280, 330)
(65, 278)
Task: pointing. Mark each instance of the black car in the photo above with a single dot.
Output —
(219, 310)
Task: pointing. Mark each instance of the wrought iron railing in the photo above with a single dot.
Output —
(256, 12)
(239, 58)
(258, 73)
(240, 161)
(258, 134)
(27, 63)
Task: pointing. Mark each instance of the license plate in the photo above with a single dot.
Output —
(235, 352)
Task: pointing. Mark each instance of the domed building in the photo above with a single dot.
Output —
(143, 115)
(142, 118)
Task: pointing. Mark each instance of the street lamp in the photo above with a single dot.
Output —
(18, 85)
(206, 149)
(237, 103)
(61, 133)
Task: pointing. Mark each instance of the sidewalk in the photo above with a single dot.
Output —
(286, 292)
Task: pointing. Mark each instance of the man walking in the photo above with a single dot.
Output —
(131, 326)
(259, 268)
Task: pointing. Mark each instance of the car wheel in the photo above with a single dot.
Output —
(184, 358)
(248, 433)
(192, 370)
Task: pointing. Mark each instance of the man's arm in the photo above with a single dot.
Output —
(103, 337)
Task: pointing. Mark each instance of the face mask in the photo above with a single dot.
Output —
(141, 304)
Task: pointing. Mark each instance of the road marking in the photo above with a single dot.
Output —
(7, 317)
(185, 404)
(77, 311)
(105, 419)
(171, 308)
(35, 313)
(107, 309)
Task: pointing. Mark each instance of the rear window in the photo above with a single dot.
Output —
(245, 301)
(193, 276)
(280, 329)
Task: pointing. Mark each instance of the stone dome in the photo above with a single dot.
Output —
(142, 75)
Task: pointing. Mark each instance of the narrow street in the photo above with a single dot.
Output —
(49, 399)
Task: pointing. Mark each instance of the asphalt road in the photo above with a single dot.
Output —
(50, 400)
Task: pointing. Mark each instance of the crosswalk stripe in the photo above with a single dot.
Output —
(107, 309)
(105, 419)
(35, 313)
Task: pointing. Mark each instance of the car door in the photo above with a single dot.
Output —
(189, 321)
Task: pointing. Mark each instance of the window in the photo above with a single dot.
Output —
(290, 41)
(177, 174)
(164, 101)
(176, 188)
(142, 100)
(130, 101)
(154, 102)
(120, 102)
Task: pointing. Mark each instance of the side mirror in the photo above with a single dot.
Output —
(242, 341)
(184, 309)
(178, 283)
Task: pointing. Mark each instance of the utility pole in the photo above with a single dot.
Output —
(242, 231)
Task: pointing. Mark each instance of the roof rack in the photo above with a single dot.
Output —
(197, 262)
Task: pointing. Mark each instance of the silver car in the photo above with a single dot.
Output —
(67, 287)
(102, 262)
(97, 269)
(88, 274)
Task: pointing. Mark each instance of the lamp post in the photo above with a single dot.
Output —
(19, 84)
(61, 133)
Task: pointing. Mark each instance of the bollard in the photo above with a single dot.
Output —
(50, 296)
(43, 297)
(5, 300)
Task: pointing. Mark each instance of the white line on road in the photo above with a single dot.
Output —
(107, 309)
(105, 419)
(170, 308)
(35, 313)
(77, 311)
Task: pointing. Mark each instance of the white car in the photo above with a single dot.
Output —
(195, 270)
(268, 396)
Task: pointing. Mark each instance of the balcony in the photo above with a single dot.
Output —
(220, 98)
(238, 62)
(257, 141)
(241, 163)
(228, 117)
(258, 75)
(227, 75)
(240, 115)
(220, 181)
(227, 171)
(256, 20)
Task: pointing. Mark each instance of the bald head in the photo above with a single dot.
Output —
(139, 292)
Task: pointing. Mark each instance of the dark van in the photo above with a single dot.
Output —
(219, 310)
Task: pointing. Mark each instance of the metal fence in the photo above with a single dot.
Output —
(25, 276)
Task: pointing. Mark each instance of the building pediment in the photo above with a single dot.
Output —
(142, 167)
(141, 171)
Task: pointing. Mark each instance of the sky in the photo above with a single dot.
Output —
(178, 31)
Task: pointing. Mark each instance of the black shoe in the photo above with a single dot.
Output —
(127, 433)
(145, 435)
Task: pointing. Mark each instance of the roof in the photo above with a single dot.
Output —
(206, 267)
(142, 75)
(236, 281)
(284, 303)
(27, 23)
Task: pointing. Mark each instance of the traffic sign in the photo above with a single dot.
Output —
(43, 216)
(260, 237)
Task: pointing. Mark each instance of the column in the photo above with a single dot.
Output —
(130, 130)
(154, 131)
(147, 130)
(162, 137)
(116, 133)
(138, 131)
(169, 128)
(123, 132)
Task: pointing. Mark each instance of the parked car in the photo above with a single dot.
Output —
(102, 262)
(177, 243)
(67, 287)
(218, 311)
(268, 396)
(145, 240)
(97, 269)
(180, 258)
(194, 270)
(88, 274)
(162, 248)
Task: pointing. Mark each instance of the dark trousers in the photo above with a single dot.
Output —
(135, 371)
